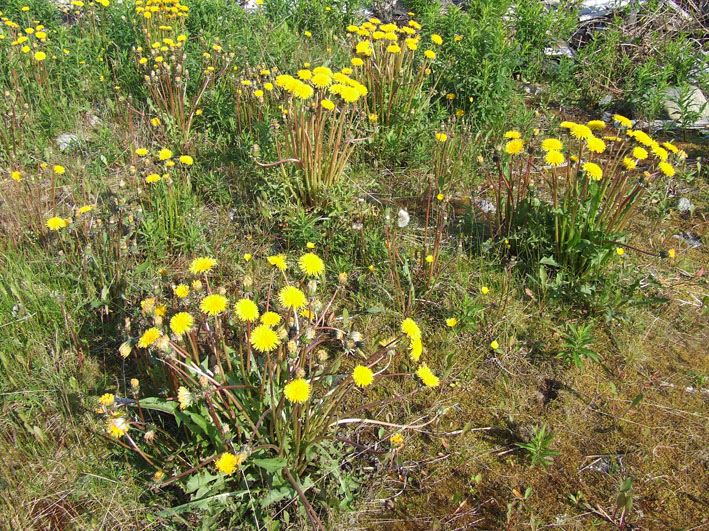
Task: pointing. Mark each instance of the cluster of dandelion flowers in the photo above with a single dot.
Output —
(213, 304)
(514, 147)
(227, 463)
(292, 297)
(202, 265)
(427, 377)
(181, 323)
(246, 310)
(150, 336)
(311, 265)
(297, 391)
(593, 170)
(264, 339)
(362, 376)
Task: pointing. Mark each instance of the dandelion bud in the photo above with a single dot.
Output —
(339, 335)
(124, 349)
(299, 373)
(157, 477)
(342, 278)
(158, 320)
(197, 285)
(247, 282)
(149, 435)
(256, 148)
(126, 324)
(312, 287)
(322, 355)
(203, 381)
(282, 333)
(135, 384)
(310, 334)
(355, 336)
(292, 347)
(222, 291)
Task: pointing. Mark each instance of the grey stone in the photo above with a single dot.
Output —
(66, 140)
(696, 102)
(689, 238)
(684, 205)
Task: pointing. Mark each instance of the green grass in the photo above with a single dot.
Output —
(70, 298)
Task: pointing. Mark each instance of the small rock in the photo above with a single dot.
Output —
(561, 49)
(94, 121)
(690, 239)
(692, 99)
(66, 140)
(684, 205)
(485, 205)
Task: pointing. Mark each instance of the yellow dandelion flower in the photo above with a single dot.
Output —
(152, 178)
(567, 124)
(639, 153)
(671, 253)
(59, 170)
(362, 376)
(596, 125)
(451, 322)
(107, 400)
(643, 138)
(514, 147)
(311, 265)
(427, 377)
(297, 391)
(292, 297)
(56, 223)
(270, 318)
(149, 337)
(554, 158)
(494, 345)
(396, 439)
(416, 348)
(304, 74)
(670, 147)
(16, 176)
(394, 48)
(181, 323)
(622, 120)
(513, 134)
(436, 39)
(264, 339)
(246, 310)
(593, 170)
(581, 131)
(441, 137)
(667, 169)
(226, 464)
(40, 56)
(213, 304)
(430, 54)
(141, 152)
(410, 328)
(117, 427)
(660, 153)
(595, 144)
(278, 260)
(629, 164)
(187, 160)
(620, 251)
(165, 154)
(181, 291)
(202, 265)
(484, 290)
